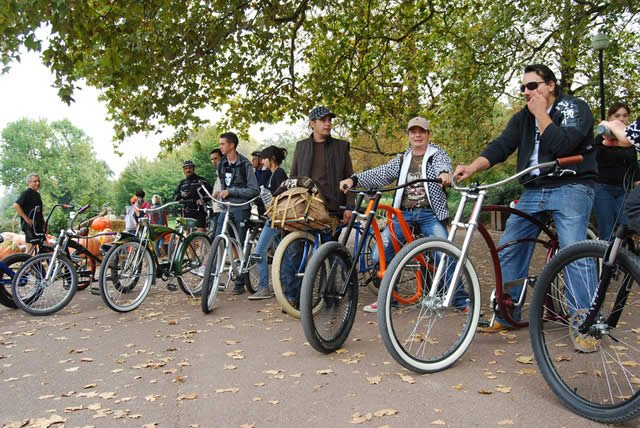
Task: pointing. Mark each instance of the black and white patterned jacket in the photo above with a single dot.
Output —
(633, 133)
(435, 162)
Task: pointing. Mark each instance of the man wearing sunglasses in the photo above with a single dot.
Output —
(552, 125)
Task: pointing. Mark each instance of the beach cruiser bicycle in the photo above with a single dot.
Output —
(589, 354)
(132, 265)
(329, 292)
(430, 333)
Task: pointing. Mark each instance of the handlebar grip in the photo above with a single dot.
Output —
(603, 130)
(83, 209)
(570, 160)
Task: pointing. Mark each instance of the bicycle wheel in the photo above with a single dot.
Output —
(288, 268)
(195, 252)
(215, 269)
(13, 262)
(423, 335)
(36, 294)
(596, 374)
(85, 266)
(251, 266)
(126, 276)
(328, 304)
(370, 269)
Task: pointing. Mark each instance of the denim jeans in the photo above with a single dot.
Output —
(295, 260)
(570, 206)
(266, 237)
(607, 208)
(429, 226)
(238, 216)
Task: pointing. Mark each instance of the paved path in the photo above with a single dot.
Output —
(246, 364)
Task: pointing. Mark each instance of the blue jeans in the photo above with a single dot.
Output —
(266, 237)
(238, 216)
(607, 208)
(295, 260)
(429, 226)
(570, 206)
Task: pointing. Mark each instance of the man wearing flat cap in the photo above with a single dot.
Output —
(423, 204)
(325, 159)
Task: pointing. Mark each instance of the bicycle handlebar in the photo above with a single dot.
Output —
(557, 163)
(168, 204)
(228, 204)
(388, 189)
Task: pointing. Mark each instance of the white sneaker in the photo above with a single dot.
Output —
(199, 271)
(373, 308)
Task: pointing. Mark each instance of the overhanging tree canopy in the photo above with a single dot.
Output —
(376, 62)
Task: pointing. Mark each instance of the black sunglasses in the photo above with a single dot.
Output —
(530, 86)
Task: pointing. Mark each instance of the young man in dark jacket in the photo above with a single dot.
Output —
(552, 125)
(239, 184)
(187, 190)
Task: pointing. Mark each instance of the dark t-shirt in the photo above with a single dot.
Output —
(319, 174)
(28, 201)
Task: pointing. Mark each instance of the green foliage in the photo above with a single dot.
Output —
(376, 63)
(61, 155)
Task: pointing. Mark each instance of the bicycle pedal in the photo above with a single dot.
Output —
(484, 323)
(172, 287)
(95, 291)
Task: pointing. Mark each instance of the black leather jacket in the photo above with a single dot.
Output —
(188, 189)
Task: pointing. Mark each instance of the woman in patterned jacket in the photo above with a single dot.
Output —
(423, 204)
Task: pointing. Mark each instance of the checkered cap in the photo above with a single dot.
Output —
(320, 112)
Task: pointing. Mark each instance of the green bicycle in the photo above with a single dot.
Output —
(131, 266)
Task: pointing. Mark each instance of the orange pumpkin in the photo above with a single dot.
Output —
(101, 223)
(107, 239)
(91, 244)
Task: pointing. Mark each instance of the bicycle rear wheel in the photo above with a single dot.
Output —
(328, 303)
(13, 262)
(596, 374)
(422, 334)
(195, 252)
(36, 294)
(288, 268)
(126, 276)
(215, 269)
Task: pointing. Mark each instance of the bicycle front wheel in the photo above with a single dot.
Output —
(423, 334)
(596, 374)
(213, 272)
(328, 302)
(195, 252)
(13, 262)
(39, 294)
(289, 263)
(126, 276)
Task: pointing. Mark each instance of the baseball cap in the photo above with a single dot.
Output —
(257, 153)
(320, 112)
(419, 121)
(188, 163)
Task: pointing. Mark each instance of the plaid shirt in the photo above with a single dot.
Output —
(438, 161)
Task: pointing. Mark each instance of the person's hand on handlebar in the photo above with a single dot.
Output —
(617, 128)
(348, 182)
(446, 179)
(224, 194)
(463, 172)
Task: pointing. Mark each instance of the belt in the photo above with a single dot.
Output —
(416, 209)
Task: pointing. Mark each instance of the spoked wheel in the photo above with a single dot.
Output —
(193, 263)
(126, 276)
(423, 334)
(597, 373)
(216, 269)
(13, 262)
(289, 266)
(328, 302)
(38, 294)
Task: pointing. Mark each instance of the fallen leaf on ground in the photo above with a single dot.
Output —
(324, 371)
(485, 392)
(506, 422)
(525, 359)
(438, 422)
(288, 353)
(407, 378)
(192, 396)
(385, 412)
(357, 418)
(374, 380)
(221, 390)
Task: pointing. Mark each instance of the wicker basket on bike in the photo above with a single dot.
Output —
(298, 205)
